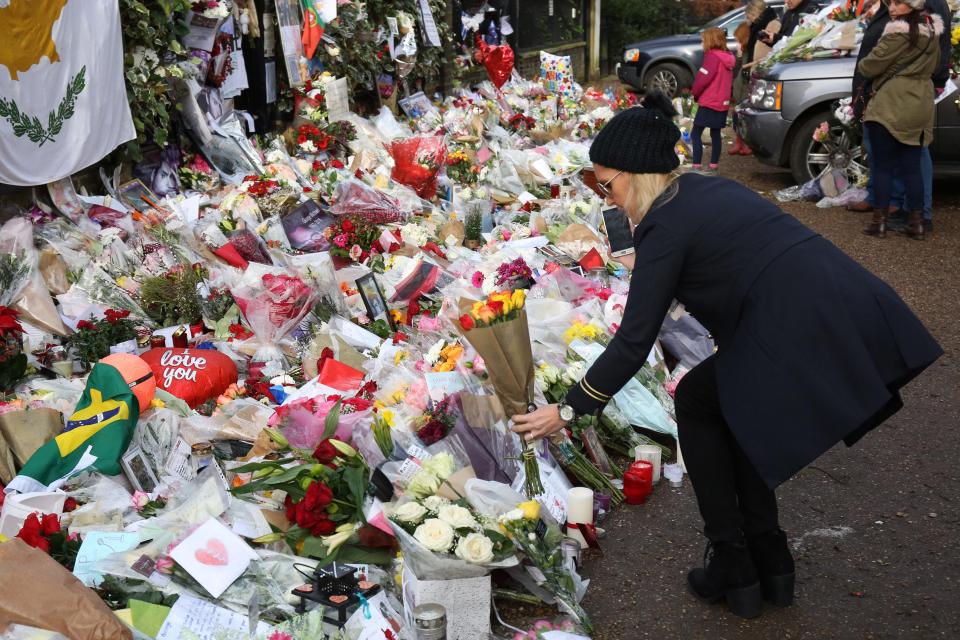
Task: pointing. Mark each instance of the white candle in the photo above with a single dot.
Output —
(579, 511)
(650, 453)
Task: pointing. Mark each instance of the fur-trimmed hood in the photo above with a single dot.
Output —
(902, 26)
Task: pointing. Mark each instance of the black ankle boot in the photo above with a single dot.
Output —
(728, 574)
(772, 558)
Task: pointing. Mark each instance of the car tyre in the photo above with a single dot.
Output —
(809, 158)
(669, 78)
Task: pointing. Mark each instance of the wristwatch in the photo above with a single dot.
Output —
(567, 413)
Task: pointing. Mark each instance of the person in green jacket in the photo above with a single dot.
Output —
(899, 116)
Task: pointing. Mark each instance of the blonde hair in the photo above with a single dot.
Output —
(755, 7)
(647, 188)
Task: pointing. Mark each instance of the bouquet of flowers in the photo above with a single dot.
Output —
(436, 423)
(539, 542)
(15, 270)
(272, 194)
(358, 199)
(353, 238)
(514, 275)
(310, 139)
(417, 161)
(13, 362)
(497, 329)
(93, 338)
(460, 168)
(450, 529)
(444, 355)
(272, 302)
(302, 421)
(197, 175)
(324, 494)
(520, 123)
(47, 535)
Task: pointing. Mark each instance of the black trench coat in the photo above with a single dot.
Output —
(811, 347)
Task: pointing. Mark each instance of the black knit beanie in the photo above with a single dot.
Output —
(640, 139)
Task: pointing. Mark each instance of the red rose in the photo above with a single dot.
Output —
(50, 524)
(497, 306)
(347, 225)
(323, 527)
(31, 533)
(69, 505)
(301, 139)
(325, 452)
(85, 324)
(336, 164)
(432, 432)
(466, 322)
(31, 525)
(319, 496)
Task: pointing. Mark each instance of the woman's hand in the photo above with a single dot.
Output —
(627, 260)
(543, 422)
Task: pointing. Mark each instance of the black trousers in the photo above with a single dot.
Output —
(734, 500)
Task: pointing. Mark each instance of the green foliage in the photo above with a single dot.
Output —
(172, 298)
(93, 338)
(151, 38)
(473, 226)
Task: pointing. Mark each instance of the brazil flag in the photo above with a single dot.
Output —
(97, 435)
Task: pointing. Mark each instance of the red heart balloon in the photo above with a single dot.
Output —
(193, 375)
(498, 61)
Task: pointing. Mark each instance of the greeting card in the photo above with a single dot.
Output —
(214, 556)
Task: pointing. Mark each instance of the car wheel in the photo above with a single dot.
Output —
(669, 78)
(811, 159)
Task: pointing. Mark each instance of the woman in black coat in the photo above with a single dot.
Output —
(812, 348)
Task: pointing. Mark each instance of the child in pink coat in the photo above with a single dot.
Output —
(712, 90)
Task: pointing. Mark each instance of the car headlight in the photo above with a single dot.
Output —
(766, 94)
(631, 55)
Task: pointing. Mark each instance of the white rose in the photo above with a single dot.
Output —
(308, 146)
(456, 516)
(475, 548)
(510, 516)
(424, 483)
(410, 512)
(433, 503)
(436, 535)
(440, 465)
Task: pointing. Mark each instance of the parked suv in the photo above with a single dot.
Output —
(788, 101)
(669, 63)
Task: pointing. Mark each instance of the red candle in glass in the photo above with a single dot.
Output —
(555, 190)
(157, 341)
(638, 482)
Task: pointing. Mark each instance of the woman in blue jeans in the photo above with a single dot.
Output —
(899, 116)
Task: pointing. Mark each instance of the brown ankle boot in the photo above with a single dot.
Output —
(877, 226)
(914, 228)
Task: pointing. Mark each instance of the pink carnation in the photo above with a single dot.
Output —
(340, 240)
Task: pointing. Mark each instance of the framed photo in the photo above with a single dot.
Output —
(137, 195)
(417, 105)
(373, 298)
(138, 471)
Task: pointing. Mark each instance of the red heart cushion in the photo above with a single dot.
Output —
(193, 375)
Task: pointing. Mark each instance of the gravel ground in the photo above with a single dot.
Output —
(874, 527)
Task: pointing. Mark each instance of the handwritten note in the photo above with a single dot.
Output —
(96, 546)
(202, 620)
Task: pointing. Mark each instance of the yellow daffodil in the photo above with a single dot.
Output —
(387, 416)
(400, 356)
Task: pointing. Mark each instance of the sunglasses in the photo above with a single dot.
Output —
(604, 187)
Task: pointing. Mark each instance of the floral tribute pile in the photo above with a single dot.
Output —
(356, 322)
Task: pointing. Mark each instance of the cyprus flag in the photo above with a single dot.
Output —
(63, 104)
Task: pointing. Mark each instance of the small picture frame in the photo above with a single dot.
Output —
(373, 298)
(137, 195)
(137, 468)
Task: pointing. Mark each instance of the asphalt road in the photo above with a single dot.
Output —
(874, 527)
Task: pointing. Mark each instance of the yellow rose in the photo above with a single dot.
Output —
(518, 298)
(530, 508)
(444, 366)
(500, 296)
